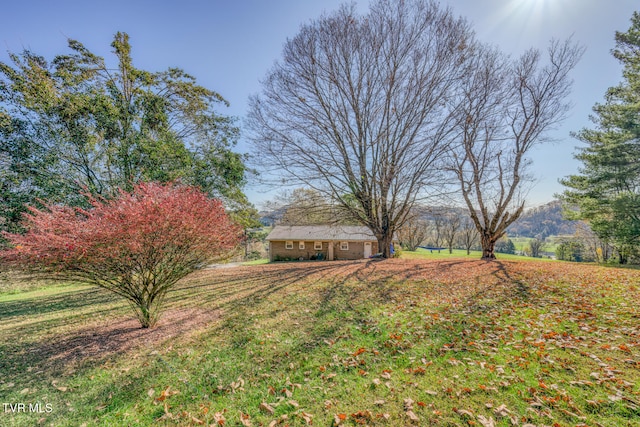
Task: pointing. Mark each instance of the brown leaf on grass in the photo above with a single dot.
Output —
(361, 416)
(308, 418)
(197, 421)
(412, 416)
(463, 412)
(338, 419)
(408, 403)
(502, 411)
(359, 351)
(245, 420)
(219, 418)
(151, 392)
(486, 422)
(166, 393)
(267, 408)
(57, 387)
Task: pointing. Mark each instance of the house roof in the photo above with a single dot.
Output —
(349, 233)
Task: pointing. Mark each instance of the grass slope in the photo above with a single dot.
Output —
(388, 343)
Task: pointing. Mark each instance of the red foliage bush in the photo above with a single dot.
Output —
(137, 244)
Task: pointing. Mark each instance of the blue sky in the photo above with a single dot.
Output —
(229, 46)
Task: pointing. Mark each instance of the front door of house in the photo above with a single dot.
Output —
(367, 249)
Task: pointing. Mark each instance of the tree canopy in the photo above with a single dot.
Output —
(506, 107)
(357, 108)
(80, 124)
(606, 191)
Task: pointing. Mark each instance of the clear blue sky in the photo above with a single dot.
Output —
(229, 46)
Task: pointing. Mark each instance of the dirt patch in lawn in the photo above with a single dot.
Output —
(99, 342)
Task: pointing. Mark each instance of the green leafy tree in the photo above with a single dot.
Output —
(505, 246)
(78, 124)
(606, 192)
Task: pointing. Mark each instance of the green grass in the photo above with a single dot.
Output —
(257, 261)
(456, 253)
(552, 342)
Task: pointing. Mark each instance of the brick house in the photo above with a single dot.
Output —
(321, 242)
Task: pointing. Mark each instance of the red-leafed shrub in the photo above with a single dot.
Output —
(137, 244)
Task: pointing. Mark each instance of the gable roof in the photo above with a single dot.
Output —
(349, 233)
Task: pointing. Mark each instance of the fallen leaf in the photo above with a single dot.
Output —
(267, 408)
(412, 416)
(486, 422)
(307, 417)
(359, 351)
(245, 420)
(219, 418)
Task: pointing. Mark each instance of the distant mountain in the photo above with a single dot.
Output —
(542, 221)
(269, 218)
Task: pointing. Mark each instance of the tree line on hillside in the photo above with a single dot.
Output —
(542, 222)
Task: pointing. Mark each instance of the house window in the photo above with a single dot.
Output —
(344, 246)
(317, 246)
(288, 245)
(300, 245)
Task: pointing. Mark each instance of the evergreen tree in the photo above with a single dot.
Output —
(607, 190)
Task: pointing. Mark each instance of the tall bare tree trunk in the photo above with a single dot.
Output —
(384, 244)
(488, 243)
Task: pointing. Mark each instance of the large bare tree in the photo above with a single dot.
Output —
(358, 108)
(507, 106)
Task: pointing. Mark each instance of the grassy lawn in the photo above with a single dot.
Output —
(456, 253)
(443, 341)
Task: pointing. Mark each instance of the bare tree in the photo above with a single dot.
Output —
(413, 233)
(536, 246)
(599, 250)
(468, 234)
(450, 230)
(304, 206)
(506, 108)
(358, 108)
(438, 227)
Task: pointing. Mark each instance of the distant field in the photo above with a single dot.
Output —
(550, 245)
(456, 253)
(448, 341)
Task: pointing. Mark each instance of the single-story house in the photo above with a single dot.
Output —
(321, 242)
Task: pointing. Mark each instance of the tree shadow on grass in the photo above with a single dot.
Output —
(74, 299)
(94, 344)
